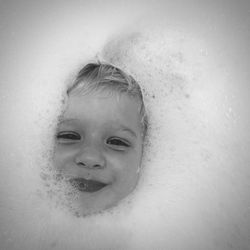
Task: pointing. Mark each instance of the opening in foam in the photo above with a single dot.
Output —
(99, 141)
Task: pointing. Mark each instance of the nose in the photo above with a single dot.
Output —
(90, 157)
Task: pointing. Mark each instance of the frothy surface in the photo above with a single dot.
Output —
(194, 191)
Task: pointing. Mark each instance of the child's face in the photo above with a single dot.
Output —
(99, 148)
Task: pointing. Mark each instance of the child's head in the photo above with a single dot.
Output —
(100, 136)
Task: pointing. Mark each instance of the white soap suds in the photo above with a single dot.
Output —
(194, 188)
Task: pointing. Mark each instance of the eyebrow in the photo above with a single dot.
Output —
(124, 128)
(60, 121)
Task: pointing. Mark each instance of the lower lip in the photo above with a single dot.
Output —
(82, 187)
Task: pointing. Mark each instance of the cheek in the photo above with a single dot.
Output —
(128, 160)
(125, 168)
(61, 158)
(127, 179)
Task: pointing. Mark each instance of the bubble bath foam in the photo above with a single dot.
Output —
(194, 187)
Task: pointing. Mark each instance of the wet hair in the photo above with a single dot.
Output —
(100, 76)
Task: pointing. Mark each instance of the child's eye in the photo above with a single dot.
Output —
(118, 142)
(68, 136)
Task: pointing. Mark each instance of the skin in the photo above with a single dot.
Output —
(100, 138)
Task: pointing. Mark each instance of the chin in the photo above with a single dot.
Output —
(86, 204)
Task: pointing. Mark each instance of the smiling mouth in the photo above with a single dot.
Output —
(85, 185)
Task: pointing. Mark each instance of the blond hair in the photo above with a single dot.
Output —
(95, 76)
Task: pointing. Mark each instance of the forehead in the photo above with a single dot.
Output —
(101, 107)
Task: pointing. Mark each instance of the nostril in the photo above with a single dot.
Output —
(89, 165)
